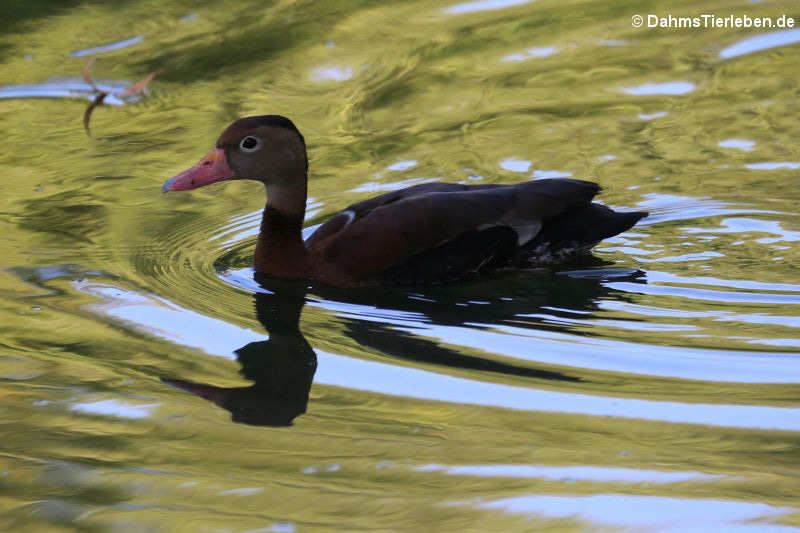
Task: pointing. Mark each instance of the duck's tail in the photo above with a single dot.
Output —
(577, 231)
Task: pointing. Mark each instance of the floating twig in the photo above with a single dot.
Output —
(87, 115)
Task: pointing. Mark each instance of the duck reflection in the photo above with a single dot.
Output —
(282, 368)
(533, 299)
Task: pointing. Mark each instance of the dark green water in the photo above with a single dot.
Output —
(143, 370)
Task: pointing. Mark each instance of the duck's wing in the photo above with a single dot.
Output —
(384, 233)
(360, 209)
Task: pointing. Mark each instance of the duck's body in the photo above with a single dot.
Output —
(428, 233)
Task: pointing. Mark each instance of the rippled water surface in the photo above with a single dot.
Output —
(149, 383)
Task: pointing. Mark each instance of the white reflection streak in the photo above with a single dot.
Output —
(761, 42)
(618, 356)
(667, 207)
(216, 337)
(740, 144)
(515, 165)
(115, 408)
(653, 513)
(752, 225)
(651, 116)
(66, 88)
(392, 380)
(373, 186)
(671, 87)
(595, 353)
(531, 52)
(108, 47)
(774, 165)
(599, 474)
(694, 293)
(331, 73)
(483, 5)
(544, 174)
(402, 165)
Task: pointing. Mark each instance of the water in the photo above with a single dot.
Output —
(149, 383)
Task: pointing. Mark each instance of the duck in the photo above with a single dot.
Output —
(428, 233)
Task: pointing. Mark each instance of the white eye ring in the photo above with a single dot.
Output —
(250, 144)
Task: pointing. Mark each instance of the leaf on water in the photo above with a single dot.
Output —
(87, 115)
(138, 88)
(86, 76)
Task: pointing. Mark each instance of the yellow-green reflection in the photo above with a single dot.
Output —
(390, 93)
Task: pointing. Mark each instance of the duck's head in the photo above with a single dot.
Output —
(268, 148)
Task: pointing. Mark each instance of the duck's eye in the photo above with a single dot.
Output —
(250, 144)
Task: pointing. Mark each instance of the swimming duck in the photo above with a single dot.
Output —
(427, 233)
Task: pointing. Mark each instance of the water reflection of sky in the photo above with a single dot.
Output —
(331, 73)
(793, 165)
(652, 116)
(653, 513)
(672, 87)
(374, 186)
(668, 207)
(117, 45)
(761, 42)
(483, 5)
(515, 165)
(115, 408)
(542, 51)
(597, 474)
(68, 88)
(549, 174)
(220, 338)
(739, 144)
(402, 165)
(748, 225)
